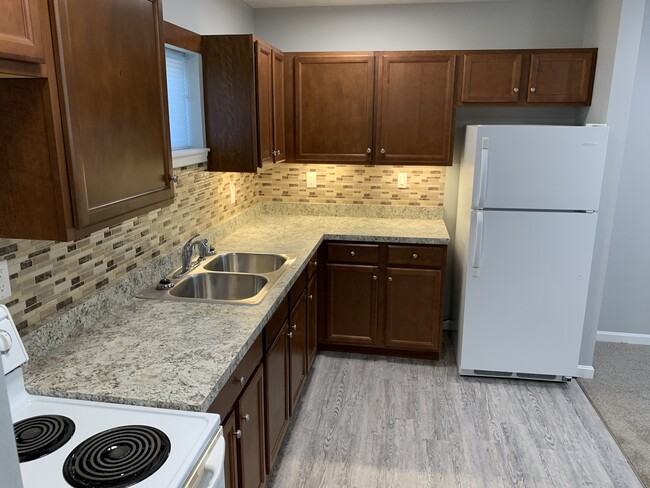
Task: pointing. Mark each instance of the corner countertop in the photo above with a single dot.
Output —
(179, 355)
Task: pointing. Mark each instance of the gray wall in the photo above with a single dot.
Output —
(210, 16)
(498, 25)
(626, 297)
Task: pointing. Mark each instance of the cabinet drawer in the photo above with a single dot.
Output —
(353, 253)
(312, 266)
(233, 388)
(417, 255)
(275, 323)
(297, 289)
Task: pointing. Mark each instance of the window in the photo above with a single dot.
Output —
(185, 98)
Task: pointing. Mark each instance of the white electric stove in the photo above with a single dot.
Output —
(64, 442)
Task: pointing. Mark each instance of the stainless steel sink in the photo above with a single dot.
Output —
(246, 262)
(219, 286)
(227, 277)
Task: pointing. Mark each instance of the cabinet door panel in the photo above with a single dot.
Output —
(297, 350)
(278, 107)
(264, 75)
(312, 320)
(276, 374)
(20, 31)
(491, 77)
(250, 411)
(115, 106)
(231, 460)
(413, 310)
(561, 77)
(352, 304)
(415, 109)
(333, 107)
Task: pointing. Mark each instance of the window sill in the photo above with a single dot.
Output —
(185, 157)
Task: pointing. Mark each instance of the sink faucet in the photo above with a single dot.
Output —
(188, 251)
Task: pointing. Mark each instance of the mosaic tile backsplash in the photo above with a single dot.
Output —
(49, 277)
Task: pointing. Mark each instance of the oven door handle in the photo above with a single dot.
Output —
(214, 466)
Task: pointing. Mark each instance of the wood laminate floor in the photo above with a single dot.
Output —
(370, 421)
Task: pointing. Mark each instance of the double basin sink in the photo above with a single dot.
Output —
(228, 277)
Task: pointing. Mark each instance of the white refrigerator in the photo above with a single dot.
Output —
(527, 210)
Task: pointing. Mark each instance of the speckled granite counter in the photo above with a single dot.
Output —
(178, 354)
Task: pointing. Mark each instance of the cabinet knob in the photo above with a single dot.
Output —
(374, 277)
(515, 89)
(279, 152)
(246, 418)
(274, 153)
(315, 263)
(242, 381)
(532, 89)
(383, 151)
(352, 253)
(311, 297)
(368, 151)
(390, 279)
(290, 335)
(174, 179)
(415, 256)
(238, 434)
(294, 327)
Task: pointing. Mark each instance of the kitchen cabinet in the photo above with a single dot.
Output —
(88, 146)
(20, 31)
(312, 319)
(415, 108)
(555, 76)
(231, 461)
(384, 298)
(333, 107)
(244, 100)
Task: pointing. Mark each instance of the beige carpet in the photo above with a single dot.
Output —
(620, 392)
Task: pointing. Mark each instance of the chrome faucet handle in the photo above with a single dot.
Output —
(205, 249)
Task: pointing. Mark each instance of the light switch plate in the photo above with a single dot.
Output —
(311, 179)
(5, 288)
(233, 193)
(401, 180)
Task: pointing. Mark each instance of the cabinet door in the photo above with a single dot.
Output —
(333, 107)
(112, 69)
(231, 461)
(561, 77)
(312, 320)
(279, 143)
(297, 350)
(491, 78)
(20, 31)
(413, 312)
(415, 108)
(264, 77)
(276, 382)
(250, 412)
(352, 304)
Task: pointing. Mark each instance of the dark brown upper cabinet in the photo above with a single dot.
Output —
(555, 76)
(333, 103)
(415, 108)
(389, 107)
(88, 146)
(20, 31)
(241, 101)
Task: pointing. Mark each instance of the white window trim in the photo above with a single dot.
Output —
(197, 153)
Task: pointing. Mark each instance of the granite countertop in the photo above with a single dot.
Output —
(178, 354)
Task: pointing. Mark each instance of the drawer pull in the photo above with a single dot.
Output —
(352, 253)
(242, 381)
(246, 418)
(238, 434)
(415, 256)
(311, 297)
(290, 335)
(374, 277)
(390, 279)
(294, 327)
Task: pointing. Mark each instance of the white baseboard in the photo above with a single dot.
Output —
(585, 371)
(626, 337)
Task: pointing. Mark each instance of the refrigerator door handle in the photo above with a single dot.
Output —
(479, 195)
(477, 223)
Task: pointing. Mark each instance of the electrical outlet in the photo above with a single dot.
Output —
(5, 288)
(233, 193)
(401, 180)
(311, 179)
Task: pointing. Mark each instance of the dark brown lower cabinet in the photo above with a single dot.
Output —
(297, 350)
(276, 399)
(413, 307)
(231, 468)
(384, 298)
(312, 320)
(352, 292)
(250, 432)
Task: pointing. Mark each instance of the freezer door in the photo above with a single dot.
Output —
(525, 291)
(539, 167)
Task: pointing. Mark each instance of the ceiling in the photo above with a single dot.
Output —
(333, 3)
